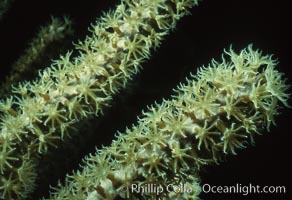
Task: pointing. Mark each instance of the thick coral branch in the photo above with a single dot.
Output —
(74, 88)
(214, 114)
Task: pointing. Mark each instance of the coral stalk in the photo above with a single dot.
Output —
(49, 34)
(215, 113)
(38, 114)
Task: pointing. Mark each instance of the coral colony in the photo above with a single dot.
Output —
(216, 112)
(39, 114)
(213, 113)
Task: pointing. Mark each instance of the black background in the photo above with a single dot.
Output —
(213, 26)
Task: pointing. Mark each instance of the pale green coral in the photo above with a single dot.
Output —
(24, 66)
(39, 113)
(213, 114)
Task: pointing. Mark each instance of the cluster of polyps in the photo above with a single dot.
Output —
(39, 113)
(213, 114)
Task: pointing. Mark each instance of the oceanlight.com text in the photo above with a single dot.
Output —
(243, 189)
